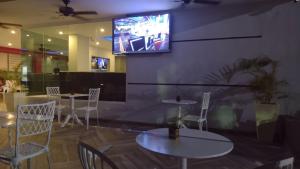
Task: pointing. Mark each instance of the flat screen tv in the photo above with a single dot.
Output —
(100, 63)
(141, 34)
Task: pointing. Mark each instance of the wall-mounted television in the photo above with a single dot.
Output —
(100, 63)
(141, 34)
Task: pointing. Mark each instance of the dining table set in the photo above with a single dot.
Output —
(189, 143)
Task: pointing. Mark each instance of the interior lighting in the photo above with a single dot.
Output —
(97, 43)
(10, 116)
(27, 35)
(61, 32)
(49, 39)
(61, 53)
(13, 32)
(102, 30)
(9, 44)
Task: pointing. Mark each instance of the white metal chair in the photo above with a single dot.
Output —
(53, 93)
(32, 120)
(202, 118)
(92, 158)
(92, 105)
(287, 163)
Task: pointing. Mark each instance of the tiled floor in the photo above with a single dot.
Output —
(247, 153)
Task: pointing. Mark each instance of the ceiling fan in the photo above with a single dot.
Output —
(8, 25)
(69, 11)
(205, 2)
(6, 0)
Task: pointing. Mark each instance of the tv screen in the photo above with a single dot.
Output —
(141, 34)
(99, 63)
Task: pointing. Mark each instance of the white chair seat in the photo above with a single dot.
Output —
(60, 107)
(194, 118)
(85, 108)
(26, 151)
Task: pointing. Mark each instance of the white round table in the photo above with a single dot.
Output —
(190, 144)
(179, 103)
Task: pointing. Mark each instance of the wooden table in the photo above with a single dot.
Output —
(191, 143)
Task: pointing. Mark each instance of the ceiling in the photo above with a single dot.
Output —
(90, 30)
(36, 13)
(41, 16)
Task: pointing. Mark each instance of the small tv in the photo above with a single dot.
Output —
(99, 63)
(141, 34)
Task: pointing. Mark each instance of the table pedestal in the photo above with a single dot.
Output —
(73, 115)
(183, 163)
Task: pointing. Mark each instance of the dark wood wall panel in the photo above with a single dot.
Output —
(113, 85)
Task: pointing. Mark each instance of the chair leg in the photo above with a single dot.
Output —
(49, 160)
(58, 115)
(87, 119)
(97, 117)
(15, 166)
(200, 126)
(29, 163)
(206, 127)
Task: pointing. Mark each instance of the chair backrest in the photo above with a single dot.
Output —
(53, 93)
(286, 163)
(205, 104)
(93, 97)
(91, 158)
(34, 119)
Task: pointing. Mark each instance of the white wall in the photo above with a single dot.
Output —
(79, 58)
(189, 62)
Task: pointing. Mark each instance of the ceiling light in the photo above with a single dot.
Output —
(61, 32)
(13, 32)
(102, 30)
(49, 39)
(61, 53)
(27, 35)
(29, 55)
(97, 43)
(9, 44)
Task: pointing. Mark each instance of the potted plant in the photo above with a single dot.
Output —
(260, 74)
(12, 87)
(267, 90)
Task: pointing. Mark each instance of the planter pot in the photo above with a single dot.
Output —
(266, 116)
(12, 99)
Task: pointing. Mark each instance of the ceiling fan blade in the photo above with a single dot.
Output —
(208, 2)
(79, 17)
(10, 24)
(3, 26)
(6, 0)
(85, 13)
